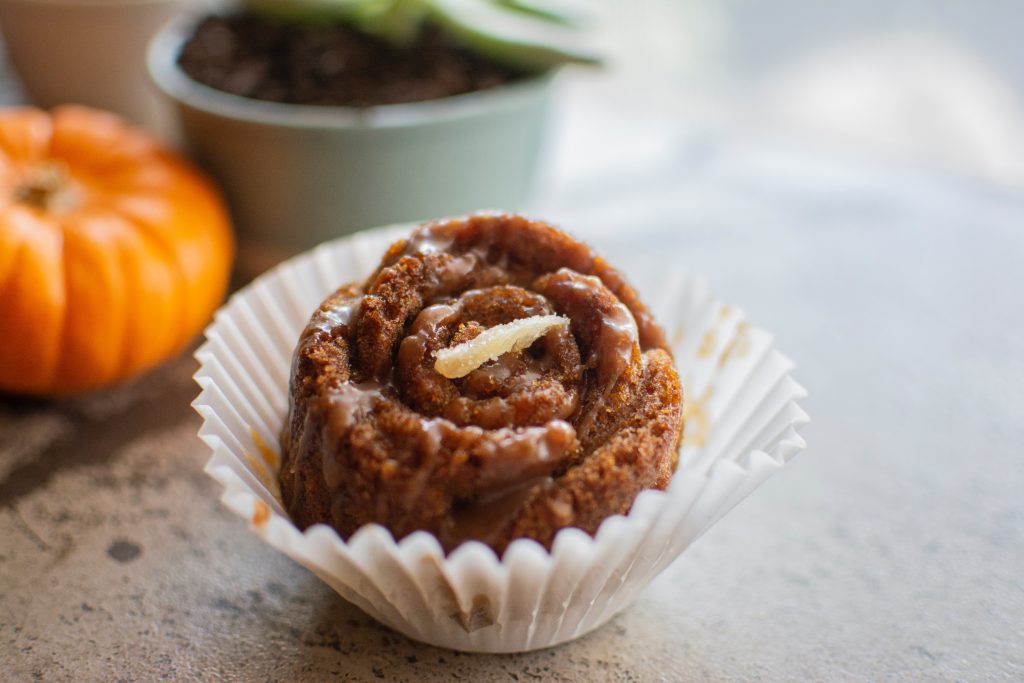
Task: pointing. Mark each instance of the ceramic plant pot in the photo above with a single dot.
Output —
(297, 175)
(89, 52)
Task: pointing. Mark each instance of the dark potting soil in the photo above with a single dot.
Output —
(330, 64)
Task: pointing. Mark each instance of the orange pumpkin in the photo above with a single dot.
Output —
(114, 251)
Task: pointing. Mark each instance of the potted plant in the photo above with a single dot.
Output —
(321, 117)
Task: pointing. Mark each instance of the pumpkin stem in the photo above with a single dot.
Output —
(48, 187)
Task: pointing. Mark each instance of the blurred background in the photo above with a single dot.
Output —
(932, 83)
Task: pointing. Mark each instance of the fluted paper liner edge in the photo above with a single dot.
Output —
(742, 422)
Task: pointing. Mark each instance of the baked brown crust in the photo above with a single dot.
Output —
(565, 433)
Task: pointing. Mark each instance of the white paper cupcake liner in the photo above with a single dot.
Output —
(742, 419)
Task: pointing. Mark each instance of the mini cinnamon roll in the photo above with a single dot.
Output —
(493, 379)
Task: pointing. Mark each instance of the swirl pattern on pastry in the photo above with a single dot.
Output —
(565, 432)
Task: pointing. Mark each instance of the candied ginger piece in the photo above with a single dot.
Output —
(460, 360)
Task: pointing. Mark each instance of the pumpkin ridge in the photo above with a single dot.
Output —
(28, 250)
(94, 250)
(8, 248)
(62, 335)
(36, 129)
(151, 235)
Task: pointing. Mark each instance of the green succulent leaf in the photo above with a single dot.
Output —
(312, 11)
(566, 12)
(397, 21)
(527, 34)
(512, 37)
